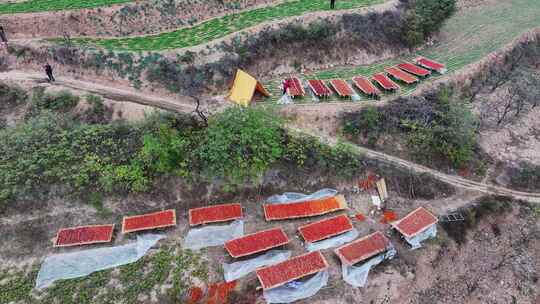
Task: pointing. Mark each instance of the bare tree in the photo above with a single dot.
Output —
(515, 94)
(200, 113)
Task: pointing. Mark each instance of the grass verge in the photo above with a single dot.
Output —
(222, 26)
(32, 6)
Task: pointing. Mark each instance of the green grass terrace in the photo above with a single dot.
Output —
(33, 6)
(466, 38)
(220, 27)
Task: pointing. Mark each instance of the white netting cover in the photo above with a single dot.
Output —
(285, 99)
(240, 269)
(82, 263)
(297, 290)
(314, 97)
(357, 275)
(416, 241)
(335, 241)
(214, 235)
(289, 197)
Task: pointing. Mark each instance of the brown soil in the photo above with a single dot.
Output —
(440, 269)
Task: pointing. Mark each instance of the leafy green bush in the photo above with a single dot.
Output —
(426, 17)
(451, 134)
(53, 150)
(525, 177)
(368, 121)
(240, 144)
(11, 96)
(437, 127)
(96, 111)
(309, 153)
(62, 101)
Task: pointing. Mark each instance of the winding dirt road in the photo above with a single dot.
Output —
(453, 180)
(130, 95)
(113, 93)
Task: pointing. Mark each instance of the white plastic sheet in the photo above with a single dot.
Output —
(416, 241)
(240, 269)
(335, 241)
(285, 99)
(290, 197)
(82, 263)
(357, 275)
(297, 290)
(217, 235)
(376, 200)
(314, 97)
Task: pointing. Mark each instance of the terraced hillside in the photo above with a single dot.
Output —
(220, 27)
(468, 36)
(31, 6)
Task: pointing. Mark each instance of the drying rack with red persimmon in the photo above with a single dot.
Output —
(385, 82)
(413, 69)
(256, 242)
(304, 208)
(342, 88)
(292, 269)
(401, 75)
(215, 214)
(365, 85)
(160, 219)
(84, 235)
(325, 228)
(319, 88)
(363, 248)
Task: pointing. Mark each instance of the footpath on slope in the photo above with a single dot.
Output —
(175, 106)
(453, 180)
(113, 93)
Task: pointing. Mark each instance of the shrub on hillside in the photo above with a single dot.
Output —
(240, 144)
(437, 127)
(62, 101)
(310, 154)
(483, 207)
(96, 112)
(525, 177)
(11, 96)
(426, 17)
(50, 149)
(451, 133)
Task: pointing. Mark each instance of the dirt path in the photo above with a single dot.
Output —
(179, 107)
(453, 180)
(113, 93)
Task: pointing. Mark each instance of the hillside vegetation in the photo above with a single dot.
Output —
(437, 130)
(221, 26)
(54, 148)
(30, 6)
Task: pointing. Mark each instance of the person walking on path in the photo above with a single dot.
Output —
(332, 4)
(3, 37)
(49, 72)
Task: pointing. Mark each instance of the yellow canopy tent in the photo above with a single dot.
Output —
(244, 87)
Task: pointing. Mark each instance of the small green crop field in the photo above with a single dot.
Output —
(467, 37)
(32, 6)
(131, 283)
(220, 27)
